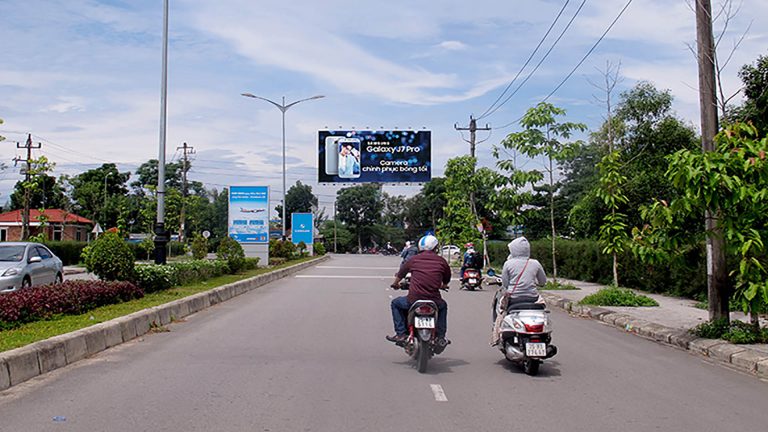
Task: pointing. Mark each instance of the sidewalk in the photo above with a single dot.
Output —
(668, 323)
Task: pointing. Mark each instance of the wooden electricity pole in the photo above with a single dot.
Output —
(717, 273)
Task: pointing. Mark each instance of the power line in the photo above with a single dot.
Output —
(541, 42)
(570, 74)
(546, 55)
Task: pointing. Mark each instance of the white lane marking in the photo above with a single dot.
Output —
(437, 390)
(340, 277)
(358, 268)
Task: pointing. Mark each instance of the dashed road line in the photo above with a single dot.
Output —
(437, 390)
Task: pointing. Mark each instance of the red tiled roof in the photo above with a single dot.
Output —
(54, 216)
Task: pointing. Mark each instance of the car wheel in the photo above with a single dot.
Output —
(26, 282)
(59, 279)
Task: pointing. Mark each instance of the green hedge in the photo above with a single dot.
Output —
(153, 277)
(68, 251)
(683, 276)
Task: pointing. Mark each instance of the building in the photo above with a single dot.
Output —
(60, 225)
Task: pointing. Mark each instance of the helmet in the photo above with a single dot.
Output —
(469, 245)
(428, 242)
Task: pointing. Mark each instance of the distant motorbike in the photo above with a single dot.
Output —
(472, 279)
(389, 251)
(526, 336)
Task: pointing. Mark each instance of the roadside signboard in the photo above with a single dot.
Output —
(249, 214)
(302, 225)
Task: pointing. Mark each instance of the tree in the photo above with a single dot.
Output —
(458, 222)
(298, 199)
(360, 208)
(755, 107)
(146, 175)
(344, 238)
(733, 178)
(613, 231)
(542, 136)
(97, 193)
(46, 192)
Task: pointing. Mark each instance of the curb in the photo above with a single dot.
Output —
(739, 357)
(21, 364)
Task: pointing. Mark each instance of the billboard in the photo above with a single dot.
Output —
(302, 228)
(249, 214)
(374, 156)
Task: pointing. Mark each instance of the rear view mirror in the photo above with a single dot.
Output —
(35, 259)
(491, 272)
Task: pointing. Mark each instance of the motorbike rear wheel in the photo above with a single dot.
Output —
(423, 356)
(531, 367)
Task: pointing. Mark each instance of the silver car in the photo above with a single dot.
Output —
(25, 264)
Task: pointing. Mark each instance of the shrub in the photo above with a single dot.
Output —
(199, 247)
(318, 248)
(231, 252)
(617, 297)
(281, 249)
(275, 261)
(145, 249)
(70, 297)
(155, 277)
(68, 251)
(735, 331)
(555, 286)
(110, 258)
(176, 248)
(198, 270)
(301, 248)
(251, 263)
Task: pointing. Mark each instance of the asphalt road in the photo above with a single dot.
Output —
(307, 353)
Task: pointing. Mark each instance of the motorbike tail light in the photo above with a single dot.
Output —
(534, 328)
(425, 310)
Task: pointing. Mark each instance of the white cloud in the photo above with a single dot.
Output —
(452, 45)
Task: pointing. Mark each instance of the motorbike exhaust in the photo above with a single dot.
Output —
(512, 353)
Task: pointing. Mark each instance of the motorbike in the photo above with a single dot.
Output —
(472, 279)
(526, 336)
(422, 341)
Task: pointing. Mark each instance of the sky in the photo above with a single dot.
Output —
(83, 76)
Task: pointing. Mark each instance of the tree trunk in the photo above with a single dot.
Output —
(552, 219)
(615, 271)
(359, 241)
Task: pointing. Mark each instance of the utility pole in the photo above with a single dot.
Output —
(472, 133)
(717, 273)
(27, 177)
(334, 227)
(188, 150)
(162, 234)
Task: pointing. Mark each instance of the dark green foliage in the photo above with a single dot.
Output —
(345, 240)
(199, 247)
(735, 331)
(110, 258)
(154, 277)
(68, 251)
(318, 248)
(360, 207)
(301, 248)
(281, 249)
(275, 261)
(230, 251)
(251, 263)
(618, 297)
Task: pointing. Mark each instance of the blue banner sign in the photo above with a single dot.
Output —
(302, 228)
(374, 156)
(249, 214)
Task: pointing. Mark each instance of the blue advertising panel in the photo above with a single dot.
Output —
(374, 156)
(249, 214)
(302, 228)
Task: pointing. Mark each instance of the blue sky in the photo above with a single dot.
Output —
(83, 76)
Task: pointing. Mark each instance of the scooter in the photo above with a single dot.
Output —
(526, 336)
(472, 279)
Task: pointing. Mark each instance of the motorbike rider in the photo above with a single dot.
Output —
(429, 273)
(408, 252)
(470, 260)
(519, 278)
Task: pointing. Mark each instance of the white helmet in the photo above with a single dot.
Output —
(428, 242)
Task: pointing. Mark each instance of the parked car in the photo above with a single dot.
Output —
(450, 250)
(24, 264)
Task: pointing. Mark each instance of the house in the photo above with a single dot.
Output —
(60, 225)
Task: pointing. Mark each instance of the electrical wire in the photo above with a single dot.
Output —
(567, 77)
(546, 55)
(541, 42)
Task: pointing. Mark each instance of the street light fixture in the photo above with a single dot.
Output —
(283, 108)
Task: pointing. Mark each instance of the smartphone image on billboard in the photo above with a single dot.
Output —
(348, 157)
(332, 155)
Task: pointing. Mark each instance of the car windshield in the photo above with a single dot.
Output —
(11, 253)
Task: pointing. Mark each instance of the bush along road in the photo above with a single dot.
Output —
(21, 364)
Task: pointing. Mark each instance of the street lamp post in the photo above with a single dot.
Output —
(104, 212)
(283, 108)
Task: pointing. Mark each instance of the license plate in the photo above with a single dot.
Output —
(425, 322)
(533, 349)
(472, 280)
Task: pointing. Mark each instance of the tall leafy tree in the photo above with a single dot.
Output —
(46, 192)
(91, 192)
(299, 199)
(360, 207)
(543, 136)
(458, 222)
(755, 107)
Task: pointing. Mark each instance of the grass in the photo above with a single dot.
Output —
(41, 330)
(618, 297)
(557, 286)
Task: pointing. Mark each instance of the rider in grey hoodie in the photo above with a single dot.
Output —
(532, 273)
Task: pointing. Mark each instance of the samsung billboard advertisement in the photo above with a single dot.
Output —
(374, 156)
